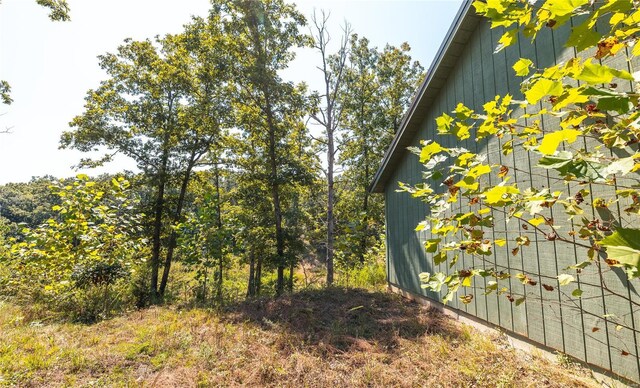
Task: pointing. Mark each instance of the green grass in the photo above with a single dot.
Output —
(331, 337)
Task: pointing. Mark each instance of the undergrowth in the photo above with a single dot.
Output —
(316, 338)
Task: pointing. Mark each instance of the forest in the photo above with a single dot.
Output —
(248, 184)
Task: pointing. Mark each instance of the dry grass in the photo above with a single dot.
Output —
(310, 339)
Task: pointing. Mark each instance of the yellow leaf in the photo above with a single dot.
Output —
(500, 242)
(500, 195)
(551, 141)
(429, 150)
(536, 221)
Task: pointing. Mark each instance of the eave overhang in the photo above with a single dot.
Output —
(461, 29)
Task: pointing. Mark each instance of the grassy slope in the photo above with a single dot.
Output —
(313, 338)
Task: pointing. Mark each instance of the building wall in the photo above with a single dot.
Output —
(478, 77)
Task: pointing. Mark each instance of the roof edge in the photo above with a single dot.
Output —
(377, 186)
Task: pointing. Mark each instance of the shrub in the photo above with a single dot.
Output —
(78, 263)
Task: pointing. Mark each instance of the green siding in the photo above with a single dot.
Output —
(477, 77)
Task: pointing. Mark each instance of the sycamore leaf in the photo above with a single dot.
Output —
(541, 88)
(563, 7)
(551, 141)
(429, 150)
(444, 123)
(522, 67)
(594, 73)
(431, 246)
(624, 246)
(583, 37)
(508, 38)
(620, 105)
(500, 195)
(564, 279)
(571, 96)
(621, 166)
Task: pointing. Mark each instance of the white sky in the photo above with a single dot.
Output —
(51, 65)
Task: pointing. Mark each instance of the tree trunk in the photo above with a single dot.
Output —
(176, 218)
(258, 279)
(219, 226)
(263, 79)
(275, 195)
(330, 201)
(291, 268)
(365, 206)
(159, 206)
(251, 289)
(157, 229)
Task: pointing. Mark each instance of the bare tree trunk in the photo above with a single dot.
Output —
(330, 202)
(330, 120)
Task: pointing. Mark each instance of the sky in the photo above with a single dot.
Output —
(51, 65)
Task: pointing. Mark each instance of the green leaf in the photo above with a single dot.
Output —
(624, 246)
(621, 105)
(563, 7)
(541, 88)
(439, 258)
(577, 293)
(431, 245)
(551, 141)
(621, 166)
(583, 37)
(594, 73)
(522, 67)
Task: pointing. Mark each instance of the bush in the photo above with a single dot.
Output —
(79, 264)
(371, 274)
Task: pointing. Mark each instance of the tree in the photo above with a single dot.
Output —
(59, 9)
(590, 157)
(269, 109)
(378, 88)
(333, 68)
(164, 105)
(59, 12)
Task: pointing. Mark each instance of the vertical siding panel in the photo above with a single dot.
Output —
(567, 254)
(596, 337)
(633, 319)
(458, 80)
(469, 76)
(617, 302)
(499, 68)
(478, 42)
(512, 227)
(533, 304)
(548, 269)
